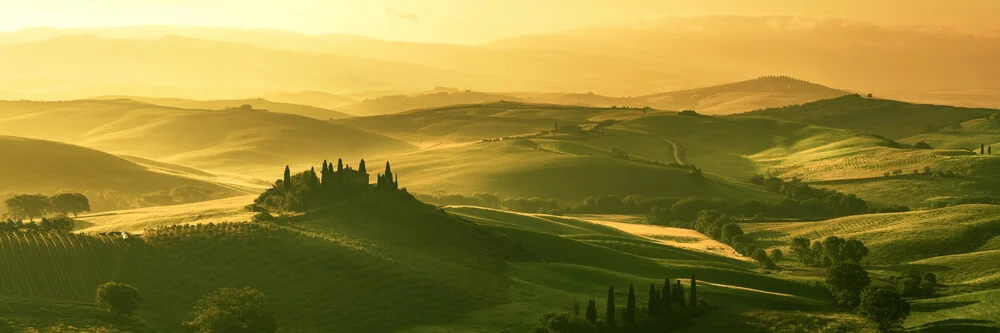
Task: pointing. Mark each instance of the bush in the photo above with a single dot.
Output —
(564, 322)
(262, 217)
(118, 299)
(232, 310)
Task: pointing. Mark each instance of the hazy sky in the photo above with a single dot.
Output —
(468, 21)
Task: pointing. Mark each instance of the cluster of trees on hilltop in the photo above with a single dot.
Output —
(668, 308)
(31, 206)
(301, 191)
(850, 285)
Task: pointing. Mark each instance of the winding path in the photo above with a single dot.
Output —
(677, 151)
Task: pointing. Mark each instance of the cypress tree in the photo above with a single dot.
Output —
(323, 175)
(982, 149)
(666, 299)
(630, 305)
(654, 300)
(679, 293)
(287, 180)
(592, 311)
(340, 164)
(694, 292)
(361, 167)
(611, 306)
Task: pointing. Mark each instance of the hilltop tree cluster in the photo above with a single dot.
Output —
(31, 206)
(307, 189)
(666, 308)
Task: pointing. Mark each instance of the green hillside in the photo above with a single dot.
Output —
(889, 118)
(234, 141)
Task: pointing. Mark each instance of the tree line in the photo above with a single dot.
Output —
(54, 224)
(667, 308)
(31, 206)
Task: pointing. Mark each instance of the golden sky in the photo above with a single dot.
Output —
(469, 21)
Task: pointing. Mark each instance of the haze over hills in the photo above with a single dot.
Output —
(234, 140)
(256, 103)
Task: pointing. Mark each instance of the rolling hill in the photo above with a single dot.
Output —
(37, 166)
(889, 118)
(256, 103)
(743, 96)
(238, 141)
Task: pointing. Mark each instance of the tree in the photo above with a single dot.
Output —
(287, 179)
(846, 281)
(592, 311)
(761, 257)
(666, 300)
(678, 293)
(694, 292)
(630, 305)
(232, 310)
(59, 223)
(928, 282)
(800, 248)
(982, 149)
(729, 231)
(118, 299)
(28, 206)
(777, 255)
(610, 312)
(361, 167)
(883, 307)
(70, 203)
(654, 300)
(340, 164)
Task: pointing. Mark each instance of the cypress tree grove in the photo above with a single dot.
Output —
(694, 292)
(666, 299)
(654, 300)
(630, 305)
(592, 311)
(287, 180)
(611, 306)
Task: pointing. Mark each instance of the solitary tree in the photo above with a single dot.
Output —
(883, 307)
(592, 311)
(610, 314)
(232, 310)
(666, 300)
(28, 206)
(630, 305)
(286, 181)
(846, 281)
(118, 299)
(694, 292)
(70, 203)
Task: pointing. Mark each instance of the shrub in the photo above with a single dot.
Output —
(118, 299)
(262, 217)
(232, 310)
